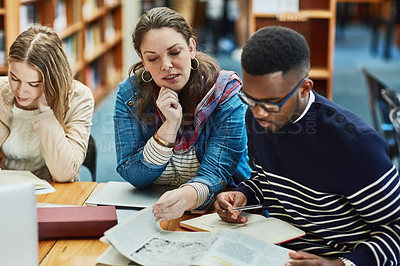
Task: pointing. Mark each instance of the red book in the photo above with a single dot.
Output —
(79, 221)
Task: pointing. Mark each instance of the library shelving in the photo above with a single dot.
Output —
(315, 20)
(91, 31)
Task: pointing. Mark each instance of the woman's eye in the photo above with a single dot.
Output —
(34, 85)
(152, 59)
(176, 53)
(14, 79)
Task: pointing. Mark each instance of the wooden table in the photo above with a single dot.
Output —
(80, 251)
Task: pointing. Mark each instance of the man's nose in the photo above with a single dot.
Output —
(258, 111)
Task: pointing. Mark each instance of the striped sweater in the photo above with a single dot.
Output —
(329, 174)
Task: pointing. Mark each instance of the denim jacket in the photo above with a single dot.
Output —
(221, 147)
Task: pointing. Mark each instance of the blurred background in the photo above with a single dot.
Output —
(360, 41)
(349, 40)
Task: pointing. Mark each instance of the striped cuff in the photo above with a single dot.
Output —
(346, 261)
(202, 193)
(152, 153)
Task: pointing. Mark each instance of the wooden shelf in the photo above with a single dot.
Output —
(316, 21)
(100, 12)
(100, 49)
(78, 67)
(320, 73)
(76, 31)
(25, 2)
(301, 14)
(74, 28)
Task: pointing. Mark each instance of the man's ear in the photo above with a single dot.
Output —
(306, 87)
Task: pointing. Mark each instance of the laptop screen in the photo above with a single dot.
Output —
(18, 225)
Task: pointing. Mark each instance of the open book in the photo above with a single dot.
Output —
(17, 176)
(271, 229)
(141, 240)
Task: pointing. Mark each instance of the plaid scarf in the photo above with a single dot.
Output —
(226, 86)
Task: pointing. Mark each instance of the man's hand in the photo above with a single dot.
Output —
(301, 258)
(225, 203)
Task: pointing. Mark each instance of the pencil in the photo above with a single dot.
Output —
(248, 207)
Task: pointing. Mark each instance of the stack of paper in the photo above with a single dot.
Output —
(141, 240)
(15, 176)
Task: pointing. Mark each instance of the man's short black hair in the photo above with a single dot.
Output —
(274, 48)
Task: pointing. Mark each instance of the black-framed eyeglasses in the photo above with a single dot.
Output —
(269, 106)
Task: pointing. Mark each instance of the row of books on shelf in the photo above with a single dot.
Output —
(90, 7)
(110, 27)
(93, 72)
(275, 6)
(93, 37)
(3, 58)
(92, 76)
(60, 16)
(70, 47)
(28, 15)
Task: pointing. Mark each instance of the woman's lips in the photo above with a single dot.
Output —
(171, 78)
(22, 99)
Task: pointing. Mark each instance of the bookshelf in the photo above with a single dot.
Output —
(315, 20)
(91, 31)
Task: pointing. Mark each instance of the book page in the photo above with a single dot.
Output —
(142, 240)
(235, 248)
(271, 230)
(112, 257)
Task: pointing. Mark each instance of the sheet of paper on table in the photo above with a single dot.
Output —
(17, 176)
(141, 240)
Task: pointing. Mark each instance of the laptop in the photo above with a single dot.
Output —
(18, 225)
(124, 194)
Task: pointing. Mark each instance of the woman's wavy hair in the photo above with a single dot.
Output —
(201, 79)
(41, 47)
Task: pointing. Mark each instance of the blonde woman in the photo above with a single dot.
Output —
(45, 115)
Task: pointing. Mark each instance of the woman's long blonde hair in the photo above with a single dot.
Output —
(202, 76)
(41, 48)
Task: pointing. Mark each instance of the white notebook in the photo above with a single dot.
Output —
(271, 229)
(8, 177)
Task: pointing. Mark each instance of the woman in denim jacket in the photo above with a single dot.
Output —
(178, 120)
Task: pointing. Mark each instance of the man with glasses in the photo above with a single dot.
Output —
(316, 165)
